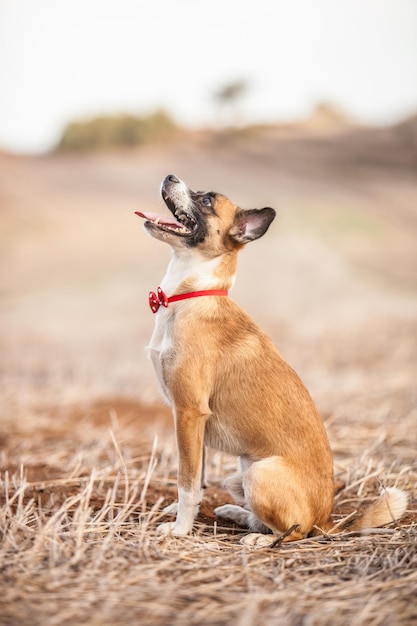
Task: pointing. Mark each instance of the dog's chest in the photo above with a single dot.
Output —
(159, 346)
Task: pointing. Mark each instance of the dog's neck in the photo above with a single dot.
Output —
(193, 272)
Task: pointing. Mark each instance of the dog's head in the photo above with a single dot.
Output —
(206, 221)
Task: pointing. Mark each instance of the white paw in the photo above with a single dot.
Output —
(257, 540)
(233, 512)
(225, 510)
(171, 509)
(171, 528)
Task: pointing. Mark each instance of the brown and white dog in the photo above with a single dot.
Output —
(229, 387)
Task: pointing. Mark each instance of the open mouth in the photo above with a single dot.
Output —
(182, 223)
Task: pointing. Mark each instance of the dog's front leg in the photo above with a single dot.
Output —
(203, 469)
(190, 437)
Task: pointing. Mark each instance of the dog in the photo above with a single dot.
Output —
(230, 389)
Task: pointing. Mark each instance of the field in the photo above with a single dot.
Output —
(87, 453)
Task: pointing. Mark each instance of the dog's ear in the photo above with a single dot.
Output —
(251, 224)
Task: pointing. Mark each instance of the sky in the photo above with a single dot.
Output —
(65, 59)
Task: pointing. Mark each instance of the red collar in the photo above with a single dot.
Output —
(160, 299)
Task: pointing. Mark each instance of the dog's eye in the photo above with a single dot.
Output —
(206, 201)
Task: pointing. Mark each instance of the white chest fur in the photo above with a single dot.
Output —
(160, 343)
(184, 266)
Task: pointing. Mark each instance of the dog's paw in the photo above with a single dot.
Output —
(233, 512)
(256, 540)
(171, 509)
(166, 528)
(171, 528)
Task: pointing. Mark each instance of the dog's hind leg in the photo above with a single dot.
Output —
(234, 483)
(283, 498)
(241, 516)
(235, 513)
(280, 500)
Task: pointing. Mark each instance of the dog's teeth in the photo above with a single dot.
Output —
(157, 220)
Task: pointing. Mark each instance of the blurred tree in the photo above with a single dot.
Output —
(229, 99)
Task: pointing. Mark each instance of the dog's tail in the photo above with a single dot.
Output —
(390, 507)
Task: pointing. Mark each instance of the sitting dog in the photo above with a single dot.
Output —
(229, 387)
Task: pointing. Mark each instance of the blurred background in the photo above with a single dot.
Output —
(309, 107)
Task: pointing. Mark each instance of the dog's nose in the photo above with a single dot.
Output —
(172, 179)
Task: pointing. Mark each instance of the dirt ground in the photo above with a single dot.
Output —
(85, 441)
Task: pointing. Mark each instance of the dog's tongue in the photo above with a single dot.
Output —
(159, 219)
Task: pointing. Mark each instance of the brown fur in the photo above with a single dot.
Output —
(229, 387)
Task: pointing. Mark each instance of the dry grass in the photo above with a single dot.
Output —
(81, 496)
